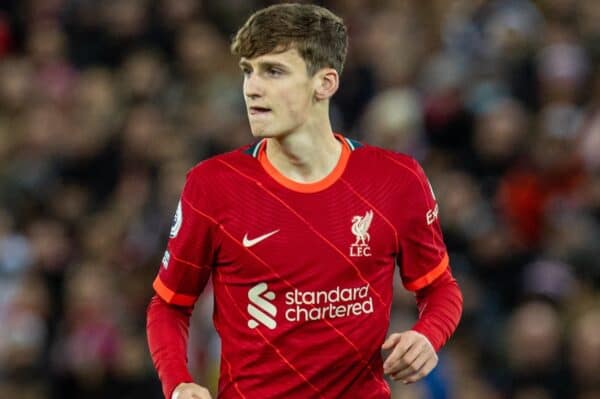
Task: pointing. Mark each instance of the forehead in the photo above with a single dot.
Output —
(290, 57)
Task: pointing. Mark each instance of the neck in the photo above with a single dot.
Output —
(305, 156)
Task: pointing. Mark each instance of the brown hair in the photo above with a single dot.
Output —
(319, 35)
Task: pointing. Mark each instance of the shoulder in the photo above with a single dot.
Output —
(401, 174)
(211, 179)
(388, 161)
(220, 166)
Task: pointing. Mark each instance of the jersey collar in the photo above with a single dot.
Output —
(259, 151)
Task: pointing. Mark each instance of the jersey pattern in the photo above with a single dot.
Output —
(302, 273)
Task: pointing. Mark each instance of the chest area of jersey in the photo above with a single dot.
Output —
(318, 237)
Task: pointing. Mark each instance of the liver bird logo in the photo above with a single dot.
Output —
(360, 228)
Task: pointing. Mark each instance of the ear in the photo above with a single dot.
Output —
(326, 83)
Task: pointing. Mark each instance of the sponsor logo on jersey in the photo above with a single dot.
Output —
(260, 308)
(302, 306)
(177, 219)
(332, 304)
(247, 242)
(432, 214)
(165, 260)
(360, 229)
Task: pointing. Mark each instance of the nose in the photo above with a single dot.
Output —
(252, 86)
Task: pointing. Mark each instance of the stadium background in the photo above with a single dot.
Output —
(104, 105)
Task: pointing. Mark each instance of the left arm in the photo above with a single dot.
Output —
(413, 353)
(424, 267)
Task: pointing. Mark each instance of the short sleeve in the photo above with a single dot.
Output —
(187, 261)
(422, 256)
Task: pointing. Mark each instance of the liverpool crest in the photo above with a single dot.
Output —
(360, 228)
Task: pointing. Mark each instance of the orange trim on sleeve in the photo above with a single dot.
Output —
(171, 296)
(428, 278)
(306, 187)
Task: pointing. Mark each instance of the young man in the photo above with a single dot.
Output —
(301, 233)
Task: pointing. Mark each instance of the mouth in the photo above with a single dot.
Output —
(258, 110)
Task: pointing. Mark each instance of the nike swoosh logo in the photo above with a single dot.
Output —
(252, 242)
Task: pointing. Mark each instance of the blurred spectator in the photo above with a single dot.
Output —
(584, 357)
(534, 353)
(393, 120)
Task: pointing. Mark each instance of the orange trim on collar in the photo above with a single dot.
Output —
(314, 187)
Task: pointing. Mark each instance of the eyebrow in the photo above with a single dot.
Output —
(263, 64)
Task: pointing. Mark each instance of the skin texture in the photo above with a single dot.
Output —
(300, 140)
(190, 391)
(411, 356)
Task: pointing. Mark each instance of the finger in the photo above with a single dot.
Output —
(407, 360)
(203, 393)
(425, 370)
(195, 393)
(391, 341)
(413, 368)
(393, 358)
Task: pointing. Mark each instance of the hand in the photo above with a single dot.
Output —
(189, 390)
(412, 357)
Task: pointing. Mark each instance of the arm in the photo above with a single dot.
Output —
(414, 351)
(167, 330)
(440, 308)
(182, 276)
(424, 267)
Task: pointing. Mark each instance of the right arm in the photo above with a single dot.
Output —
(182, 276)
(167, 330)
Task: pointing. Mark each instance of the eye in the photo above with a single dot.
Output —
(246, 71)
(274, 72)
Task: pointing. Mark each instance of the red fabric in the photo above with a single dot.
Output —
(302, 281)
(440, 307)
(167, 330)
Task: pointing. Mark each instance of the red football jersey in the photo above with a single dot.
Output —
(302, 273)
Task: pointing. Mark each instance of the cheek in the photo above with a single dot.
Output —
(297, 106)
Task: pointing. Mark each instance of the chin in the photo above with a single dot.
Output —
(261, 134)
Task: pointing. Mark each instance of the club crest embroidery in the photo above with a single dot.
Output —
(360, 229)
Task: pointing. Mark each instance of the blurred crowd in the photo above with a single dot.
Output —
(104, 106)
